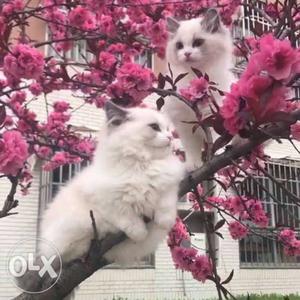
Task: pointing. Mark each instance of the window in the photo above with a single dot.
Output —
(50, 182)
(78, 53)
(144, 59)
(250, 23)
(262, 252)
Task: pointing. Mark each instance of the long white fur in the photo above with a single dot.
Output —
(134, 174)
(213, 57)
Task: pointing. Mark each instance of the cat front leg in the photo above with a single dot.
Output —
(166, 210)
(129, 222)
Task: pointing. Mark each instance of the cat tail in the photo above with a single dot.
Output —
(129, 251)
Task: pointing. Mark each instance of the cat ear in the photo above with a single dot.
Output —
(211, 21)
(172, 24)
(115, 114)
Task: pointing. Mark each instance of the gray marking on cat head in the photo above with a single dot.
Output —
(172, 25)
(115, 114)
(211, 21)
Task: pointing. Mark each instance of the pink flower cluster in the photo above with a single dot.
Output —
(244, 208)
(24, 62)
(291, 243)
(57, 119)
(187, 258)
(12, 6)
(134, 80)
(59, 159)
(13, 152)
(82, 18)
(237, 230)
(196, 90)
(261, 90)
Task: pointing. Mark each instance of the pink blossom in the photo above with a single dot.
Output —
(36, 89)
(237, 204)
(82, 18)
(107, 60)
(234, 110)
(107, 25)
(295, 131)
(18, 97)
(183, 257)
(12, 6)
(23, 62)
(59, 159)
(177, 234)
(286, 236)
(196, 89)
(277, 57)
(13, 152)
(61, 106)
(293, 248)
(135, 80)
(85, 146)
(44, 152)
(213, 200)
(237, 230)
(201, 268)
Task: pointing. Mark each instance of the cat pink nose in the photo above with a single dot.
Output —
(187, 54)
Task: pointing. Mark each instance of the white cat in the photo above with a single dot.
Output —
(134, 174)
(205, 44)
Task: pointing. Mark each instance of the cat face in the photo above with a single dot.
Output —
(198, 42)
(138, 127)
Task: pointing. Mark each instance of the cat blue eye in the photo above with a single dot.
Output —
(155, 126)
(179, 45)
(198, 42)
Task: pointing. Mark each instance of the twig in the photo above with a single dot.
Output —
(96, 234)
(10, 202)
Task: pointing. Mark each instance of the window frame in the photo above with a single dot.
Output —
(280, 261)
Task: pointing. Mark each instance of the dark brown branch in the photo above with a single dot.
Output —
(78, 270)
(10, 201)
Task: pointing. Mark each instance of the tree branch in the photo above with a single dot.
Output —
(10, 201)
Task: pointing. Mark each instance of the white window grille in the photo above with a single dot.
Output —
(257, 251)
(51, 182)
(144, 59)
(78, 53)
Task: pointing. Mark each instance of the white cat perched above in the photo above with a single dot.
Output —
(203, 43)
(134, 174)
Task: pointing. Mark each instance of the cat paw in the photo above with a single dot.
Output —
(165, 222)
(138, 234)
